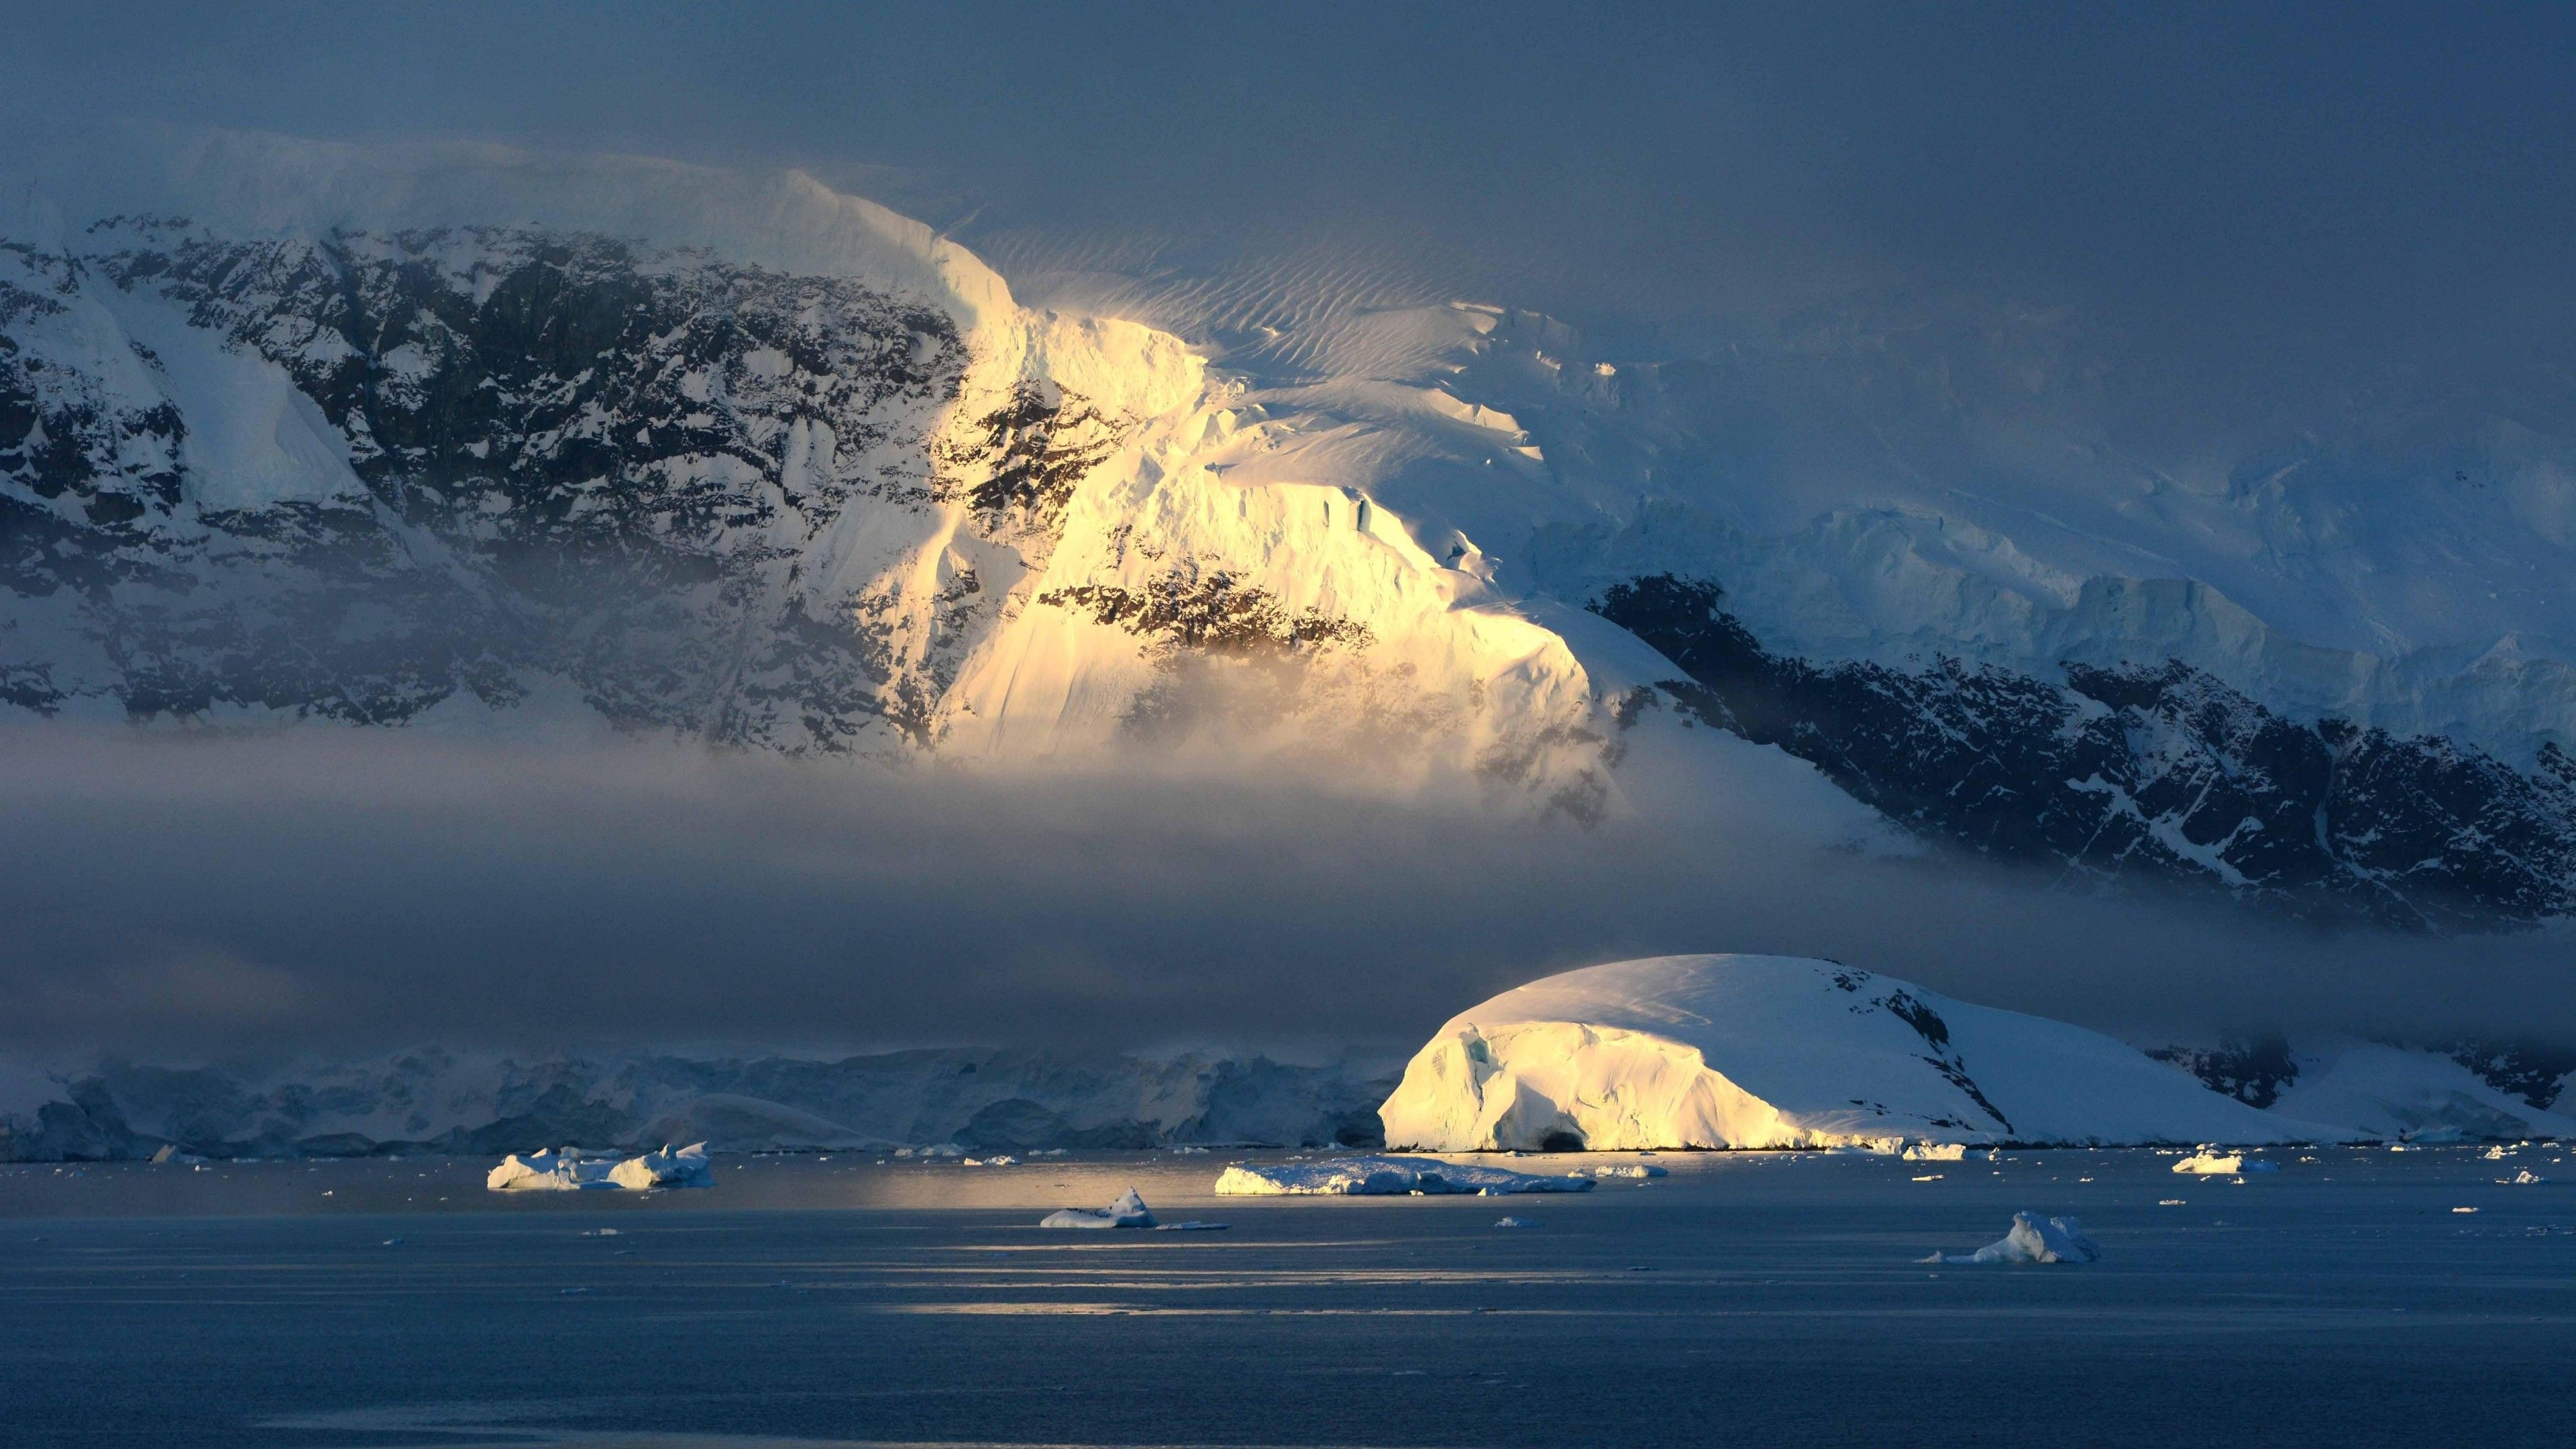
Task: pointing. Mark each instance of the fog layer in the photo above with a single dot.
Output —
(350, 891)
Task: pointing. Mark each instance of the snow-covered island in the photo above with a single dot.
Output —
(1733, 1051)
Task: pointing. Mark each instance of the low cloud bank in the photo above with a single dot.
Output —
(349, 891)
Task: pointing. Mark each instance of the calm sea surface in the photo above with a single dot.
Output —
(1756, 1300)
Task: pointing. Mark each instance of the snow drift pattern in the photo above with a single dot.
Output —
(1776, 1051)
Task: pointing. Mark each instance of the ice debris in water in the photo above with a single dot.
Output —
(2209, 1162)
(1377, 1176)
(1936, 1151)
(569, 1169)
(1621, 1169)
(2524, 1178)
(1516, 1223)
(1129, 1211)
(2032, 1240)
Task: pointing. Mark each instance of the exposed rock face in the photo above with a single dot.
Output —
(504, 455)
(2159, 771)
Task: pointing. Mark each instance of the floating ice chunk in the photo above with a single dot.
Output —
(1622, 1169)
(568, 1169)
(1129, 1211)
(1936, 1151)
(1379, 1176)
(2524, 1178)
(2210, 1163)
(562, 1170)
(685, 1167)
(1192, 1226)
(2033, 1239)
(2492, 1154)
(1516, 1223)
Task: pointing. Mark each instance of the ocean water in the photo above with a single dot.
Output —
(1746, 1299)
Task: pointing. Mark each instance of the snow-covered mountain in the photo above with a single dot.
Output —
(477, 440)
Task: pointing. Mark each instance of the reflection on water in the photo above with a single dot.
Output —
(2342, 1300)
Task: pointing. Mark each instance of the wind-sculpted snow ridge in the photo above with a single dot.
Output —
(1780, 1052)
(433, 1100)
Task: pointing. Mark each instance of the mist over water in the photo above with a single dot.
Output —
(342, 892)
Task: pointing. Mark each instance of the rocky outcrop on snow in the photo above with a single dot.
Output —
(434, 1100)
(2160, 771)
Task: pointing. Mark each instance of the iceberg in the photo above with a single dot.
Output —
(1783, 1052)
(1935, 1152)
(2033, 1239)
(569, 1169)
(685, 1167)
(1129, 1211)
(1381, 1176)
(561, 1170)
(2208, 1163)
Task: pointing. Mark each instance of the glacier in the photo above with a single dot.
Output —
(1733, 1051)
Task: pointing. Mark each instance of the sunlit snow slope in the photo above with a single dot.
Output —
(1777, 1051)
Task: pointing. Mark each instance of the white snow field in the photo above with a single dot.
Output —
(2397, 1092)
(1778, 1051)
(1127, 1211)
(1381, 1176)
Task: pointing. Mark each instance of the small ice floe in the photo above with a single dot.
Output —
(1516, 1223)
(1379, 1176)
(599, 1232)
(2492, 1154)
(1192, 1226)
(393, 1242)
(1936, 1151)
(1189, 1152)
(2464, 1210)
(2524, 1178)
(569, 1169)
(1129, 1211)
(999, 1159)
(169, 1153)
(2210, 1162)
(1622, 1169)
(2033, 1239)
(2173, 1202)
(1929, 1177)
